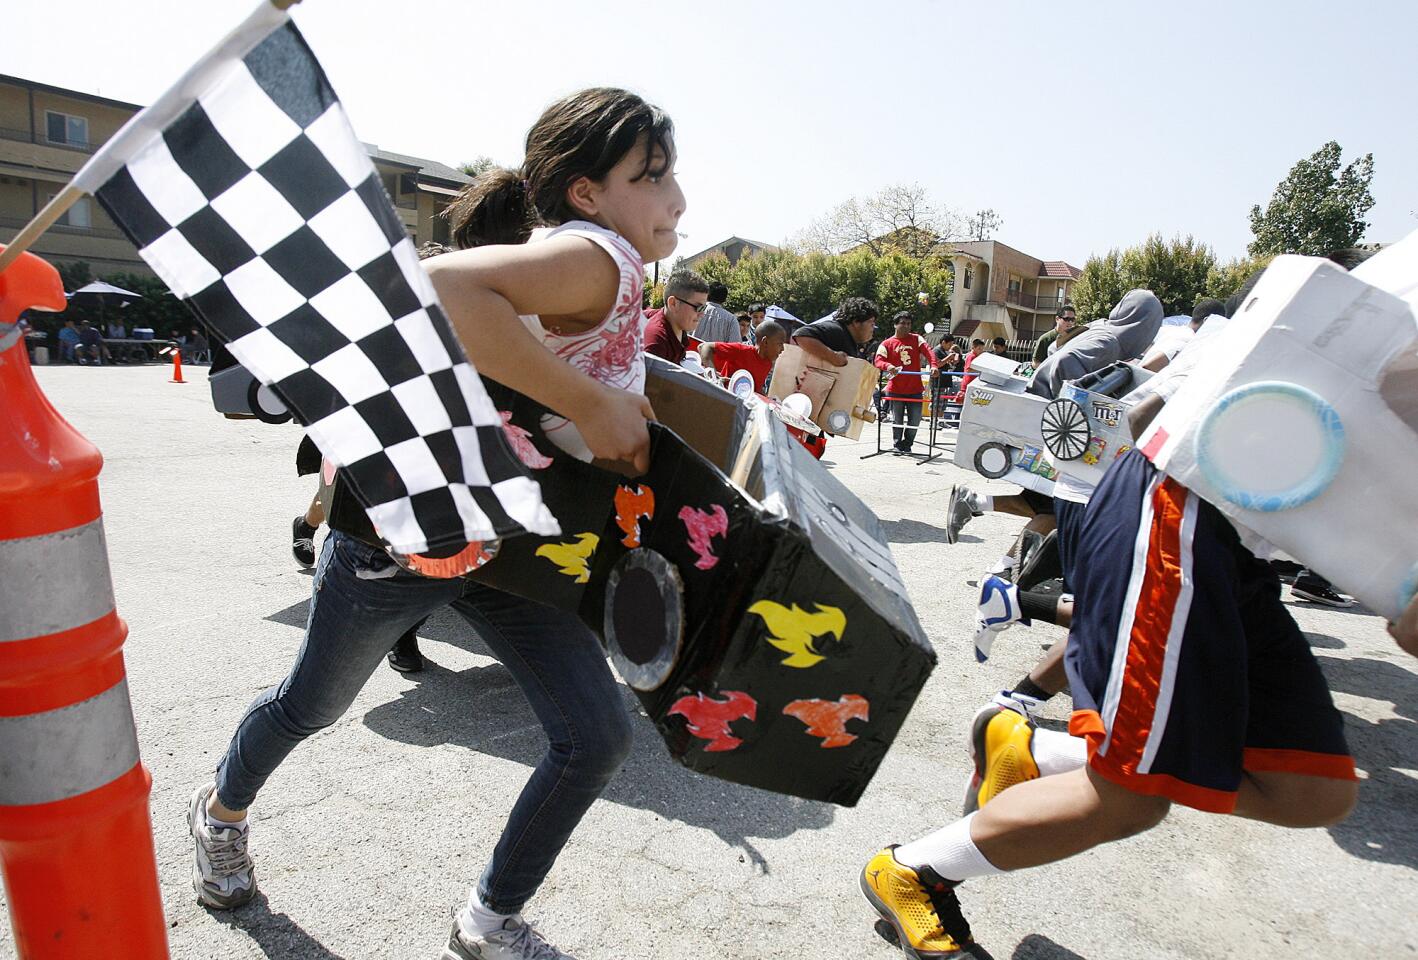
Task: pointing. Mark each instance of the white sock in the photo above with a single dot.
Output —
(478, 920)
(949, 852)
(214, 824)
(1057, 752)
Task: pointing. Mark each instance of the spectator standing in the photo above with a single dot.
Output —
(116, 330)
(1000, 347)
(716, 324)
(977, 347)
(1065, 321)
(746, 334)
(903, 356)
(686, 298)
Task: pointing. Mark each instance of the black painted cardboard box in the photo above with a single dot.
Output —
(748, 597)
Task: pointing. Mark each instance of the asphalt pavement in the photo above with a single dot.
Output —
(373, 830)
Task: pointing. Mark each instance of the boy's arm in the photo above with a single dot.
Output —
(485, 289)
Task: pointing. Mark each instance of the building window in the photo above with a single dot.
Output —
(66, 129)
(969, 275)
(77, 215)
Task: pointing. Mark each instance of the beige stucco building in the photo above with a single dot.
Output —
(47, 133)
(1001, 292)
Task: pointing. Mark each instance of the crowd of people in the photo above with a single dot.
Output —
(1224, 709)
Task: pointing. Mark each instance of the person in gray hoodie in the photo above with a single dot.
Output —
(1128, 332)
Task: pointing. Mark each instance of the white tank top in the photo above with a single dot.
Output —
(610, 351)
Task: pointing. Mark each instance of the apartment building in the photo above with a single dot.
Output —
(47, 133)
(1003, 292)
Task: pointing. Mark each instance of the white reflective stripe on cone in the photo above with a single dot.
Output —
(54, 582)
(62, 753)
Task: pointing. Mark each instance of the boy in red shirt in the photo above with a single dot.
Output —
(757, 358)
(903, 356)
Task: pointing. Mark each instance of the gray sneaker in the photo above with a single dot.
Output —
(222, 872)
(517, 940)
(960, 508)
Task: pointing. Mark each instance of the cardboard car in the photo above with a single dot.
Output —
(1301, 424)
(1008, 433)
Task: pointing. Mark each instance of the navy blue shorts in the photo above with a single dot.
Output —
(1069, 518)
(1186, 668)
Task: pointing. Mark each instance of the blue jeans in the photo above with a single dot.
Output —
(555, 659)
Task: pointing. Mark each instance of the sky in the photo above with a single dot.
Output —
(1084, 125)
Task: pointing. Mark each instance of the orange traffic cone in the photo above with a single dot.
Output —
(177, 366)
(76, 845)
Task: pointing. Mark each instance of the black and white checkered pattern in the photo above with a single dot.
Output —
(260, 208)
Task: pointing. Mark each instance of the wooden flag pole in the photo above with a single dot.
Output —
(42, 221)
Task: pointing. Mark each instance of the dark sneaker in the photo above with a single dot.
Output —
(1315, 589)
(517, 940)
(405, 657)
(222, 872)
(919, 906)
(302, 542)
(961, 506)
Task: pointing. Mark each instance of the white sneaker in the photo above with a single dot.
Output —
(961, 506)
(997, 612)
(222, 872)
(517, 940)
(1019, 703)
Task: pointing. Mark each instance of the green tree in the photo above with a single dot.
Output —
(1317, 207)
(1175, 270)
(478, 166)
(1223, 279)
(1100, 287)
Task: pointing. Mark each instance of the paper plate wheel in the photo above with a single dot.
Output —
(993, 460)
(1270, 446)
(838, 421)
(264, 403)
(741, 383)
(644, 618)
(1064, 427)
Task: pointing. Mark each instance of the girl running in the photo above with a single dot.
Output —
(546, 299)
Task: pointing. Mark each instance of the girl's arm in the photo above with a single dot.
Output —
(485, 289)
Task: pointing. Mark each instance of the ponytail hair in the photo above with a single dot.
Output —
(492, 209)
(583, 135)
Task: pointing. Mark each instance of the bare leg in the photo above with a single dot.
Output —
(1051, 818)
(1048, 674)
(1294, 799)
(315, 515)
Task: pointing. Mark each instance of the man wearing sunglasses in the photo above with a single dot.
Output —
(686, 296)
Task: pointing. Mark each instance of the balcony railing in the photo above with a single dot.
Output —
(1030, 301)
(25, 136)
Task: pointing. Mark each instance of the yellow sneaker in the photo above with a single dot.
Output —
(1000, 746)
(919, 906)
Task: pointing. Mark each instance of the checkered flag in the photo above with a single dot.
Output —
(246, 190)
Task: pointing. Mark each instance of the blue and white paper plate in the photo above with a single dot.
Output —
(1270, 446)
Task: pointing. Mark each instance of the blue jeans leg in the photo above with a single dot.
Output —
(563, 673)
(354, 621)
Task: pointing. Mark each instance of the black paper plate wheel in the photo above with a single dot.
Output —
(644, 618)
(993, 460)
(1064, 428)
(265, 405)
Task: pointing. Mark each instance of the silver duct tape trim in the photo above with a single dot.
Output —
(54, 582)
(9, 335)
(62, 753)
